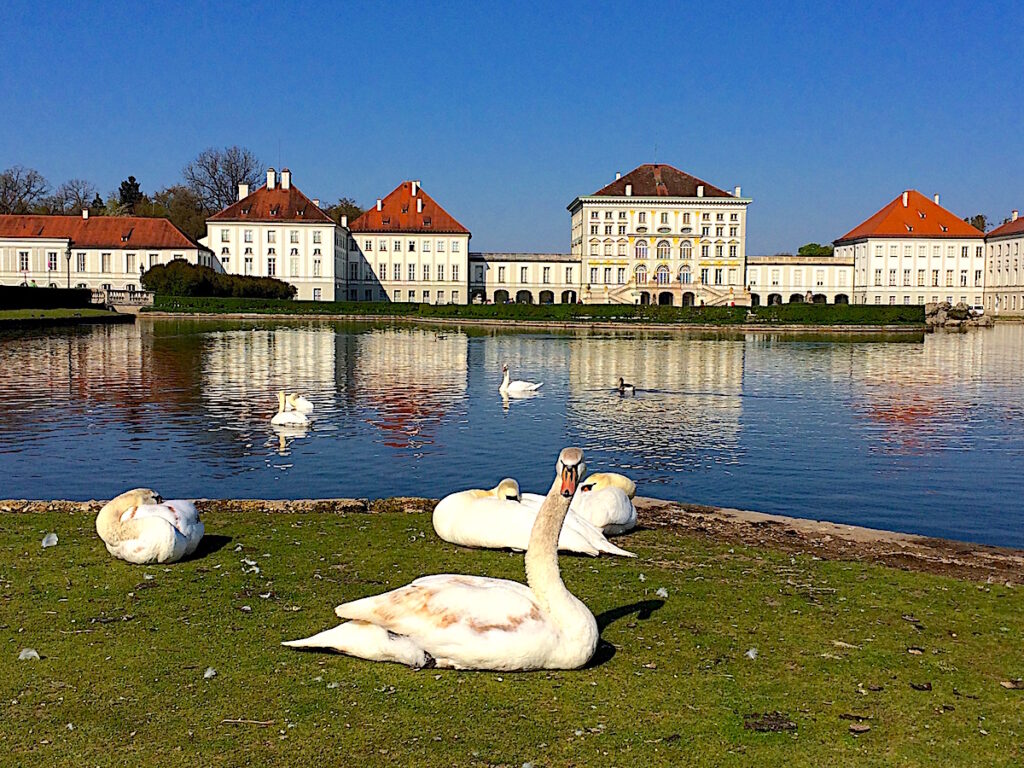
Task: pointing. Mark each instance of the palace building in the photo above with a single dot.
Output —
(914, 251)
(525, 278)
(98, 252)
(408, 248)
(659, 235)
(1004, 286)
(276, 231)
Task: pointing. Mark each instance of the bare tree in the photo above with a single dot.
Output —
(21, 189)
(72, 196)
(214, 176)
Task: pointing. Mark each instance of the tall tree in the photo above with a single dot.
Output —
(97, 207)
(215, 174)
(345, 206)
(815, 249)
(129, 194)
(184, 208)
(21, 189)
(978, 221)
(71, 197)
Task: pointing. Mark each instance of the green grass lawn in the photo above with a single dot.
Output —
(62, 314)
(124, 649)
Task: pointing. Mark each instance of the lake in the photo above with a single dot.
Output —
(919, 433)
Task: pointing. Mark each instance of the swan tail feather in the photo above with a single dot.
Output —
(366, 641)
(610, 549)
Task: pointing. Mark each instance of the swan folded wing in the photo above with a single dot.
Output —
(453, 616)
(181, 514)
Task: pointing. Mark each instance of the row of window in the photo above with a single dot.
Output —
(293, 266)
(997, 249)
(396, 272)
(922, 251)
(382, 245)
(247, 235)
(921, 277)
(798, 277)
(662, 275)
(704, 231)
(663, 217)
(934, 299)
(663, 250)
(106, 261)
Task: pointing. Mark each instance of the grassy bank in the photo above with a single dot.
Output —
(918, 658)
(799, 314)
(11, 318)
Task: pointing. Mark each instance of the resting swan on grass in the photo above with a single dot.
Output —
(474, 622)
(502, 518)
(140, 527)
(516, 388)
(605, 500)
(286, 418)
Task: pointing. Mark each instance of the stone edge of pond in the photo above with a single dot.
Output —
(821, 539)
(546, 324)
(54, 322)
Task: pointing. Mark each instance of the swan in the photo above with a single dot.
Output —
(286, 418)
(624, 388)
(605, 500)
(516, 388)
(140, 527)
(473, 622)
(502, 518)
(298, 403)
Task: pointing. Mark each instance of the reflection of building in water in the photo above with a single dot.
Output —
(688, 403)
(409, 380)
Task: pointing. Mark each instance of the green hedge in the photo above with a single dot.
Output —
(31, 297)
(807, 314)
(179, 278)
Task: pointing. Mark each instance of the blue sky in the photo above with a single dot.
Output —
(506, 111)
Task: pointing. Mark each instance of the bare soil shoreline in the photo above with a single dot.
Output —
(825, 540)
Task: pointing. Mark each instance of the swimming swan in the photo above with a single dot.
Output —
(605, 500)
(514, 388)
(502, 518)
(474, 622)
(286, 418)
(140, 527)
(298, 403)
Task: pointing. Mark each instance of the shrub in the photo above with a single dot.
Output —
(179, 278)
(30, 297)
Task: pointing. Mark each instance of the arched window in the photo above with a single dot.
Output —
(641, 275)
(687, 250)
(684, 275)
(641, 249)
(662, 275)
(663, 249)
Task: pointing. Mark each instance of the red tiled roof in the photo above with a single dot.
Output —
(920, 217)
(98, 231)
(275, 204)
(658, 180)
(399, 214)
(1009, 228)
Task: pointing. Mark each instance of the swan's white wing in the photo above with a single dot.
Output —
(605, 507)
(468, 620)
(484, 522)
(181, 514)
(524, 386)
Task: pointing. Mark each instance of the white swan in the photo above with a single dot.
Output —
(286, 418)
(140, 527)
(298, 403)
(473, 622)
(605, 500)
(502, 518)
(516, 388)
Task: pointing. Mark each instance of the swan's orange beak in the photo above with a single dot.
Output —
(569, 477)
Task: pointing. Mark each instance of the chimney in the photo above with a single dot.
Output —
(379, 206)
(243, 191)
(1014, 215)
(85, 213)
(700, 190)
(344, 221)
(286, 179)
(618, 175)
(629, 190)
(906, 197)
(316, 201)
(271, 178)
(415, 188)
(936, 198)
(737, 192)
(419, 205)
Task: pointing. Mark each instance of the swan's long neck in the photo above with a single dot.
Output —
(281, 402)
(108, 521)
(542, 572)
(504, 381)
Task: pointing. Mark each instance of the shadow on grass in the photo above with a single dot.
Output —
(209, 544)
(605, 650)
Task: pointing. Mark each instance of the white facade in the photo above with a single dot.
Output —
(278, 232)
(109, 252)
(408, 249)
(1004, 284)
(660, 247)
(525, 278)
(788, 279)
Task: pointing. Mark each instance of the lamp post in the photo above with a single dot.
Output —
(67, 255)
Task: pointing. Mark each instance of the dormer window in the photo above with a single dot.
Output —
(426, 221)
(301, 211)
(246, 209)
(126, 236)
(385, 220)
(909, 228)
(944, 227)
(921, 214)
(274, 210)
(405, 207)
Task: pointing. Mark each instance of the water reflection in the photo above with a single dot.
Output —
(900, 435)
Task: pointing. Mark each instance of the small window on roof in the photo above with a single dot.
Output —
(274, 210)
(426, 221)
(944, 227)
(921, 214)
(245, 211)
(405, 207)
(909, 228)
(385, 219)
